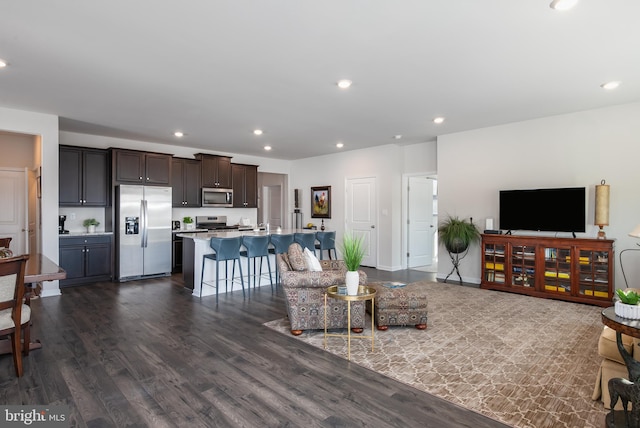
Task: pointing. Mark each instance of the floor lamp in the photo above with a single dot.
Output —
(635, 233)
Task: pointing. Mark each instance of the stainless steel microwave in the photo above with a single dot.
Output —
(216, 197)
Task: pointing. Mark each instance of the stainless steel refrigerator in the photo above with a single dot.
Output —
(143, 216)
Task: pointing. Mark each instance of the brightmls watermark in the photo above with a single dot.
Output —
(34, 416)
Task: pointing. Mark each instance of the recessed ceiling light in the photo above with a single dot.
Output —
(267, 148)
(397, 137)
(563, 4)
(179, 134)
(257, 131)
(3, 63)
(339, 145)
(344, 83)
(610, 85)
(438, 120)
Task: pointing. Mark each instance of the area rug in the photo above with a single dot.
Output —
(525, 361)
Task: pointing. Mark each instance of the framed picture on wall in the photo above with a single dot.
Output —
(321, 202)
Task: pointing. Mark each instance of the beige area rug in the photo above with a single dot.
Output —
(525, 361)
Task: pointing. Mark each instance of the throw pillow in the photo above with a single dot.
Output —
(296, 257)
(313, 264)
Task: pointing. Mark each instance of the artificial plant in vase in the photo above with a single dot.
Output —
(91, 224)
(188, 223)
(627, 304)
(352, 253)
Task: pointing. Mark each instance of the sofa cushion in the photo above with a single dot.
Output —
(312, 262)
(608, 348)
(296, 257)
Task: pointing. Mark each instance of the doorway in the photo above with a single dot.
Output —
(272, 200)
(420, 237)
(20, 195)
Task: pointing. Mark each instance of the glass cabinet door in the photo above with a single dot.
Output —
(494, 263)
(594, 273)
(523, 265)
(557, 269)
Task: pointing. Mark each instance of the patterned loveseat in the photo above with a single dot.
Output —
(304, 294)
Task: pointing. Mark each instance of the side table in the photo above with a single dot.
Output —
(364, 293)
(627, 390)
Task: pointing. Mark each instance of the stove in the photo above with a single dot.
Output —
(216, 222)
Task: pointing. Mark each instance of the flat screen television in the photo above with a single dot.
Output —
(549, 210)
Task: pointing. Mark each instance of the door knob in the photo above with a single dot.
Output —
(373, 226)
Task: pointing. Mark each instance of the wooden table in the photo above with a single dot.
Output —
(628, 390)
(38, 268)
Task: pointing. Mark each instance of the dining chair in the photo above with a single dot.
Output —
(225, 249)
(326, 241)
(15, 315)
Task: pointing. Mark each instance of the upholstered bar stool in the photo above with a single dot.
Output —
(306, 240)
(226, 249)
(280, 244)
(326, 241)
(256, 247)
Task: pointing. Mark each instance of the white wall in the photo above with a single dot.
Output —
(578, 149)
(45, 126)
(385, 164)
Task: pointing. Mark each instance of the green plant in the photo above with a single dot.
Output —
(628, 297)
(352, 251)
(187, 220)
(456, 235)
(90, 222)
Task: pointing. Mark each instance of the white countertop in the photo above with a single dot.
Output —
(63, 235)
(236, 233)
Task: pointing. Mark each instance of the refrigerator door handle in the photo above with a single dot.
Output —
(144, 218)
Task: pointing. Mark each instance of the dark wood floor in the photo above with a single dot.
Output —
(147, 353)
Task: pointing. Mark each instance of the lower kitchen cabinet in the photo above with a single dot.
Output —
(86, 259)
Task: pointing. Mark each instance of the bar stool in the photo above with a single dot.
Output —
(256, 246)
(306, 240)
(280, 244)
(327, 241)
(225, 249)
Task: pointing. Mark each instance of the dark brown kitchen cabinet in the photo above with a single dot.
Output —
(216, 170)
(245, 185)
(83, 177)
(135, 167)
(185, 182)
(85, 259)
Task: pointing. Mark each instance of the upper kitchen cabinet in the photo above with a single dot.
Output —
(216, 170)
(245, 185)
(185, 182)
(134, 167)
(83, 177)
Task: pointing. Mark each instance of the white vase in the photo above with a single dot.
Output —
(627, 311)
(91, 228)
(352, 280)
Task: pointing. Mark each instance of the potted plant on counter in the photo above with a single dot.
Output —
(352, 253)
(91, 224)
(188, 223)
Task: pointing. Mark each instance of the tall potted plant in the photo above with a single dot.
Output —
(352, 253)
(457, 235)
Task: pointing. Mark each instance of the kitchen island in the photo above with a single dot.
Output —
(196, 245)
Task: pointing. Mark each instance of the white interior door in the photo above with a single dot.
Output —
(13, 198)
(360, 218)
(420, 221)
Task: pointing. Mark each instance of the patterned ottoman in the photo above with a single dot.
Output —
(400, 305)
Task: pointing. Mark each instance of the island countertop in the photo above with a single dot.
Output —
(234, 233)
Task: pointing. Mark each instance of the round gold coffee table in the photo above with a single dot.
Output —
(364, 293)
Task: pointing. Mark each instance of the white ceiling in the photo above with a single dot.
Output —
(217, 69)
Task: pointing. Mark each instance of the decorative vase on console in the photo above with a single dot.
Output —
(353, 253)
(628, 304)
